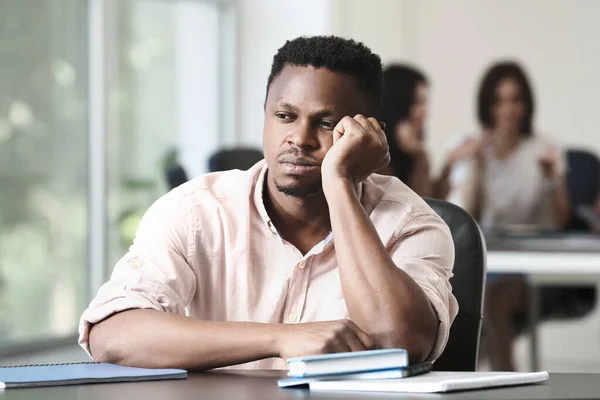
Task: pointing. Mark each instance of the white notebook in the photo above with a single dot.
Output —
(436, 382)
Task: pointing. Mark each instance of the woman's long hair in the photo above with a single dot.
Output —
(399, 86)
(486, 97)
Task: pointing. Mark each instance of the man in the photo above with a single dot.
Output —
(305, 253)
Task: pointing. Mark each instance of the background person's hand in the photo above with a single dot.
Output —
(548, 162)
(297, 340)
(409, 139)
(469, 149)
(359, 149)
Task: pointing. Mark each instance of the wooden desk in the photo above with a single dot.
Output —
(262, 385)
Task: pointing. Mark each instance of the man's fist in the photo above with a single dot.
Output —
(359, 149)
(296, 340)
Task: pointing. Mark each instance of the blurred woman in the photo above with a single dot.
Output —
(404, 109)
(508, 178)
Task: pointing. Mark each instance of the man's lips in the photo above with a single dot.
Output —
(297, 161)
(298, 166)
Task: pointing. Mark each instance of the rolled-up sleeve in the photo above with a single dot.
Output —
(425, 251)
(156, 273)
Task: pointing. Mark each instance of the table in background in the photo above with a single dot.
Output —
(552, 254)
(262, 385)
(565, 259)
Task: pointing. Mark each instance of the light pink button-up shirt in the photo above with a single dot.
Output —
(208, 249)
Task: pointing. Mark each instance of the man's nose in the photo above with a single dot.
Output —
(304, 135)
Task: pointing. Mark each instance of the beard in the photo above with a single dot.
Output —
(299, 190)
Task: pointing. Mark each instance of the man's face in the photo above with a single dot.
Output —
(303, 106)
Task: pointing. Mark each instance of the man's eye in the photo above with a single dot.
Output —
(327, 125)
(284, 117)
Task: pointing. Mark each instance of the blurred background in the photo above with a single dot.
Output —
(106, 104)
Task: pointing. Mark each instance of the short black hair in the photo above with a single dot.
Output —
(487, 94)
(337, 55)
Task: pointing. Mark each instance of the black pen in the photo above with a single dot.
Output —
(417, 369)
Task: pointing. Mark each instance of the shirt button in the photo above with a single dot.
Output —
(302, 264)
(292, 317)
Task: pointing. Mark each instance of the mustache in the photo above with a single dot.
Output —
(298, 157)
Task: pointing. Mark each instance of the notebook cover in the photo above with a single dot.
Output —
(80, 373)
(334, 356)
(297, 365)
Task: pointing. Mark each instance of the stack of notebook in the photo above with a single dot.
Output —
(389, 371)
(360, 365)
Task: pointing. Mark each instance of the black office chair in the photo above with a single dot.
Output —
(238, 158)
(583, 184)
(175, 175)
(468, 285)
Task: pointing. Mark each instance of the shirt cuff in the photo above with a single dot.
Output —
(95, 314)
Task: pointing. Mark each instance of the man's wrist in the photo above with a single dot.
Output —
(336, 185)
(276, 335)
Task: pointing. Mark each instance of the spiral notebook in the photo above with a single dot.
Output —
(23, 376)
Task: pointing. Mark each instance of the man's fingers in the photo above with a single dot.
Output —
(339, 346)
(353, 341)
(379, 128)
(376, 125)
(340, 129)
(347, 123)
(363, 121)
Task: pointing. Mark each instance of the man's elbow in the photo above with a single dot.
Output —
(418, 346)
(104, 347)
(417, 338)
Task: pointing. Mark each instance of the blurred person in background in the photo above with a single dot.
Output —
(507, 177)
(404, 110)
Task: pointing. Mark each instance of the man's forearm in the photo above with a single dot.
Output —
(382, 299)
(154, 339)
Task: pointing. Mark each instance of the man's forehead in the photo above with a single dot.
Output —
(317, 88)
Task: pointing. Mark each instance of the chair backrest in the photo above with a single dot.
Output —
(175, 175)
(239, 158)
(583, 183)
(467, 286)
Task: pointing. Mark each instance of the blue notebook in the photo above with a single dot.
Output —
(395, 373)
(80, 373)
(344, 363)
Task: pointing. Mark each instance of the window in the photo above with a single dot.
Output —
(161, 86)
(43, 181)
(163, 78)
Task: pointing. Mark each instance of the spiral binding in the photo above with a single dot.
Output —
(46, 365)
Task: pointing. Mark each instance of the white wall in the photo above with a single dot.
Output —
(383, 25)
(263, 27)
(454, 42)
(557, 41)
